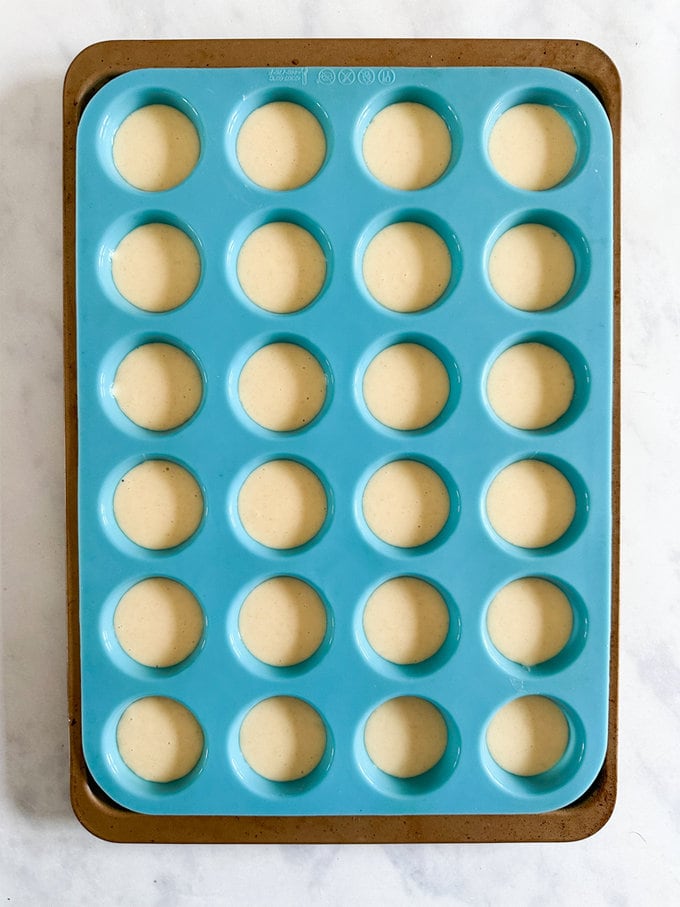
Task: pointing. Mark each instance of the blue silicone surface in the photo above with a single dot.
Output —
(467, 444)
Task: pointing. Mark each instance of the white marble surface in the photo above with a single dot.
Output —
(45, 856)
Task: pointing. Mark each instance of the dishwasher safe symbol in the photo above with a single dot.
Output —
(326, 77)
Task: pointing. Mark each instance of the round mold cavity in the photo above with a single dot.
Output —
(107, 374)
(408, 215)
(527, 787)
(125, 662)
(108, 518)
(404, 672)
(442, 536)
(260, 219)
(126, 777)
(253, 345)
(563, 105)
(413, 95)
(234, 518)
(577, 524)
(571, 234)
(577, 364)
(259, 98)
(117, 231)
(127, 102)
(565, 657)
(263, 669)
(263, 787)
(437, 349)
(419, 785)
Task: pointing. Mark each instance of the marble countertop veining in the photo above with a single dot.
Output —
(45, 856)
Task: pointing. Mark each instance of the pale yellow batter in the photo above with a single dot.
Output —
(407, 267)
(406, 736)
(282, 621)
(158, 386)
(530, 620)
(281, 267)
(530, 504)
(156, 148)
(156, 267)
(406, 620)
(282, 387)
(406, 386)
(528, 736)
(281, 146)
(282, 738)
(530, 386)
(159, 739)
(532, 146)
(282, 504)
(158, 504)
(407, 146)
(531, 267)
(158, 622)
(405, 503)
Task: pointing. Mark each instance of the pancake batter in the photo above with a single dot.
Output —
(282, 738)
(405, 503)
(406, 620)
(528, 736)
(158, 622)
(159, 739)
(407, 146)
(282, 387)
(530, 386)
(156, 148)
(281, 268)
(282, 504)
(530, 620)
(282, 621)
(407, 267)
(158, 386)
(406, 736)
(531, 267)
(158, 504)
(406, 386)
(156, 267)
(530, 504)
(281, 146)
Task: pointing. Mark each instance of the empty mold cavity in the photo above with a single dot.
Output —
(157, 385)
(281, 263)
(280, 142)
(531, 503)
(407, 746)
(406, 503)
(154, 264)
(282, 386)
(282, 504)
(536, 139)
(281, 746)
(158, 622)
(406, 386)
(532, 745)
(158, 504)
(535, 625)
(283, 621)
(537, 260)
(156, 147)
(407, 626)
(159, 740)
(408, 261)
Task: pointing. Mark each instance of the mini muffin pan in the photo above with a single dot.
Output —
(344, 206)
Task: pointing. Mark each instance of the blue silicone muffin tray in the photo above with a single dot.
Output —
(344, 206)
